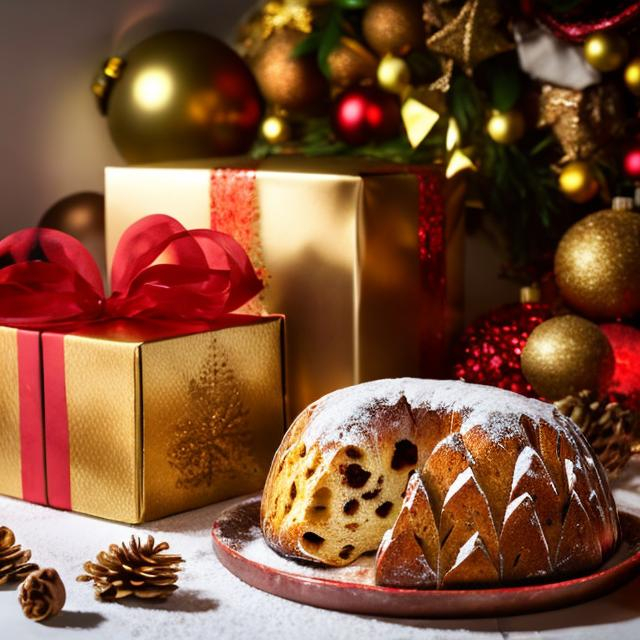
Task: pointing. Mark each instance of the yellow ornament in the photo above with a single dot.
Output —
(632, 76)
(275, 130)
(565, 355)
(505, 127)
(605, 51)
(394, 74)
(597, 265)
(578, 182)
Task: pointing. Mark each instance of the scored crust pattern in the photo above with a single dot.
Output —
(451, 484)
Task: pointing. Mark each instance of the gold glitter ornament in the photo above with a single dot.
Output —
(393, 74)
(597, 265)
(294, 14)
(472, 36)
(582, 121)
(566, 354)
(632, 76)
(605, 51)
(506, 127)
(351, 63)
(293, 83)
(578, 182)
(275, 130)
(393, 26)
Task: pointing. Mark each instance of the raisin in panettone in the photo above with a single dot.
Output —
(452, 484)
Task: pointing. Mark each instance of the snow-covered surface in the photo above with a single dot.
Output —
(212, 603)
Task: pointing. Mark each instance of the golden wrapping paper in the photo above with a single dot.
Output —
(142, 421)
(339, 250)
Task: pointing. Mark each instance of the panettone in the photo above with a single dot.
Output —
(451, 484)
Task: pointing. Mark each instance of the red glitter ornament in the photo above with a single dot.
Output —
(625, 342)
(489, 350)
(366, 114)
(631, 162)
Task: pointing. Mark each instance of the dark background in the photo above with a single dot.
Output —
(54, 142)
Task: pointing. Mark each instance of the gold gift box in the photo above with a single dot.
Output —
(340, 244)
(142, 420)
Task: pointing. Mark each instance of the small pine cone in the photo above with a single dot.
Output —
(14, 561)
(608, 427)
(42, 595)
(138, 570)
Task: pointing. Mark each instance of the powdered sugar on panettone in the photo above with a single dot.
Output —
(344, 416)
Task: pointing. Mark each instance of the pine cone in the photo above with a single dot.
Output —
(138, 570)
(608, 427)
(14, 561)
(42, 595)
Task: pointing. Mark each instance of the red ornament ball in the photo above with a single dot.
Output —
(625, 342)
(366, 114)
(489, 350)
(631, 162)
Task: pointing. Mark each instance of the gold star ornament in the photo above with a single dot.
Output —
(472, 35)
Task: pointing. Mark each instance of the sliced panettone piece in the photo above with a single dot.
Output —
(531, 477)
(523, 546)
(408, 553)
(472, 568)
(465, 511)
(494, 451)
(400, 561)
(579, 548)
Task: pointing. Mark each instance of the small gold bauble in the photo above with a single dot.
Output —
(632, 76)
(505, 127)
(578, 182)
(394, 26)
(293, 83)
(275, 130)
(393, 74)
(605, 51)
(351, 63)
(597, 265)
(565, 355)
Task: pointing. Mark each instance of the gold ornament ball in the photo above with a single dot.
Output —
(597, 265)
(183, 94)
(351, 63)
(393, 74)
(293, 83)
(565, 355)
(578, 182)
(632, 76)
(506, 127)
(605, 51)
(394, 26)
(275, 130)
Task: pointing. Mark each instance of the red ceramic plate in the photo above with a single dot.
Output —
(240, 547)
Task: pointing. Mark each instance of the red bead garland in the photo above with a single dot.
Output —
(490, 349)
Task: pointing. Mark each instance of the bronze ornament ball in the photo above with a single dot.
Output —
(565, 355)
(506, 127)
(597, 265)
(578, 182)
(394, 26)
(81, 215)
(292, 83)
(605, 51)
(183, 94)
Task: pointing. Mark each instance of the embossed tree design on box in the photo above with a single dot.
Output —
(212, 437)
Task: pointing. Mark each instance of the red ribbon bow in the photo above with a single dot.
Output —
(160, 271)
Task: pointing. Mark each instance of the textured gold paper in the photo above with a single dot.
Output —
(171, 424)
(213, 415)
(10, 464)
(102, 379)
